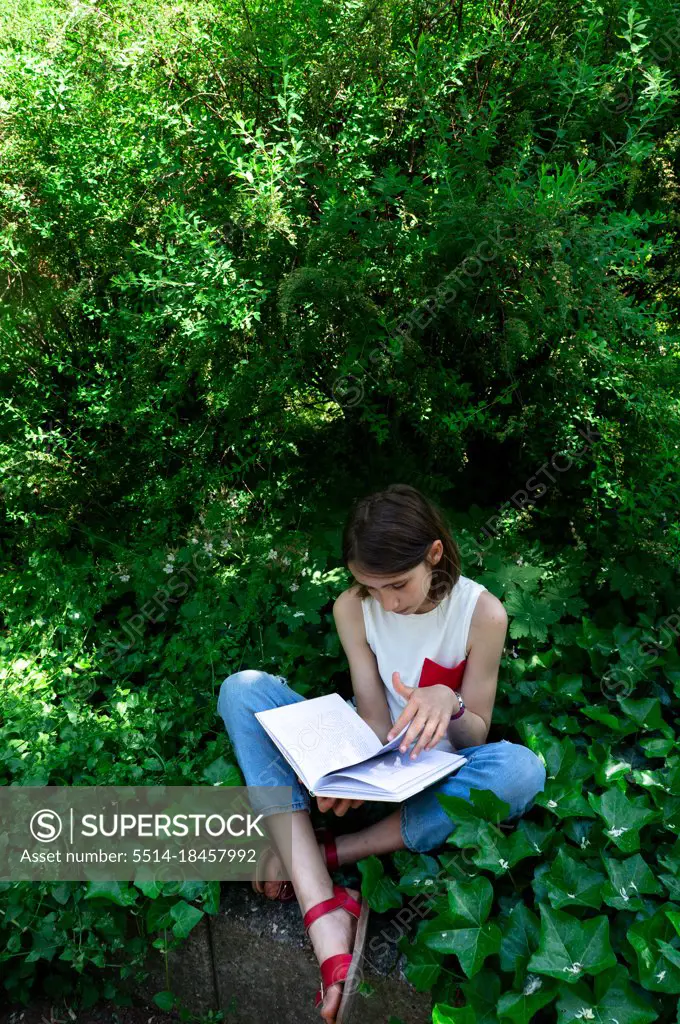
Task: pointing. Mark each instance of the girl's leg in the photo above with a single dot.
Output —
(240, 696)
(511, 771)
(262, 765)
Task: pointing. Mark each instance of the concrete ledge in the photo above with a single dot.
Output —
(253, 959)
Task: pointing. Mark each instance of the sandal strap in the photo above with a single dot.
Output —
(340, 898)
(348, 902)
(334, 969)
(330, 849)
(319, 909)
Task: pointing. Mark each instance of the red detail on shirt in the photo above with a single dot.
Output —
(433, 674)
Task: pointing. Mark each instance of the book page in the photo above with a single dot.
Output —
(319, 735)
(394, 771)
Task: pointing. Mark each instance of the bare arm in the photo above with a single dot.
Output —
(486, 638)
(369, 689)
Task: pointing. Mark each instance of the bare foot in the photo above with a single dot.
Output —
(330, 934)
(273, 865)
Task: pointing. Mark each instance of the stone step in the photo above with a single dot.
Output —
(253, 960)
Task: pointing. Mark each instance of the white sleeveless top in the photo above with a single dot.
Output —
(402, 642)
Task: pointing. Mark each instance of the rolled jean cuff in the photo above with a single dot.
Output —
(296, 805)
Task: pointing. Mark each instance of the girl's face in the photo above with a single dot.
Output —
(404, 593)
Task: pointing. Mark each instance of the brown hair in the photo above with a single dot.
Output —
(391, 531)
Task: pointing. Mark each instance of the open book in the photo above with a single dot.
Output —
(336, 753)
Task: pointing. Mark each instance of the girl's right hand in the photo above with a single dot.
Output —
(339, 805)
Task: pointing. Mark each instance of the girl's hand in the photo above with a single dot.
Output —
(339, 806)
(326, 803)
(428, 710)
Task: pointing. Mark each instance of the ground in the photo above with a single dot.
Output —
(47, 1013)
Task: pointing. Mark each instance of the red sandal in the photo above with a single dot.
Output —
(285, 893)
(341, 967)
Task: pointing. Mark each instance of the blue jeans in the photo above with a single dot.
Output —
(513, 772)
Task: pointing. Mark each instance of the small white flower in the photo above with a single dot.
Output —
(552, 803)
(575, 968)
(225, 544)
(633, 886)
(272, 554)
(520, 561)
(297, 614)
(504, 864)
(623, 894)
(171, 557)
(584, 842)
(585, 1013)
(194, 540)
(208, 547)
(661, 975)
(294, 586)
(285, 560)
(615, 832)
(168, 568)
(305, 556)
(571, 895)
(124, 578)
(76, 615)
(532, 984)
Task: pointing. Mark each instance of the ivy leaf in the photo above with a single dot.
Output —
(378, 889)
(520, 1007)
(613, 1000)
(422, 968)
(470, 945)
(185, 917)
(628, 880)
(470, 902)
(444, 1014)
(570, 948)
(624, 817)
(481, 995)
(520, 933)
(221, 773)
(114, 892)
(657, 972)
(572, 882)
(563, 800)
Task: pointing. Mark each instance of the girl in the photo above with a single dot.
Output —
(417, 635)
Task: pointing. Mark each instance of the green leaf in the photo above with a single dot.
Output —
(623, 816)
(529, 616)
(629, 878)
(164, 1000)
(220, 772)
(470, 902)
(378, 889)
(114, 892)
(572, 882)
(522, 1006)
(570, 948)
(471, 945)
(521, 931)
(657, 972)
(613, 999)
(422, 968)
(185, 917)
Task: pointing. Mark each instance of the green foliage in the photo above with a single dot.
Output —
(258, 260)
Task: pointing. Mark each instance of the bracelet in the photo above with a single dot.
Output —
(461, 709)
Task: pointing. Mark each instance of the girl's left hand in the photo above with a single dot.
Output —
(428, 710)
